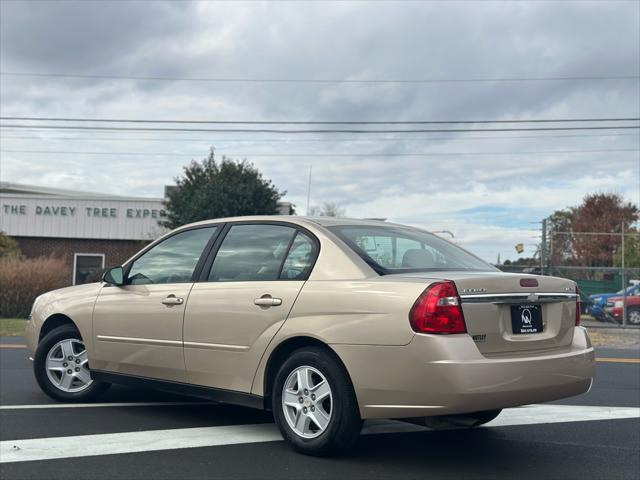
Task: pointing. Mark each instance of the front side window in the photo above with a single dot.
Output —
(252, 253)
(397, 249)
(171, 261)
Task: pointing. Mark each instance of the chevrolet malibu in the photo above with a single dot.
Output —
(325, 322)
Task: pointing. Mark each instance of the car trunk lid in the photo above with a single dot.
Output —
(505, 316)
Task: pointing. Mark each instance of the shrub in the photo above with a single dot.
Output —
(8, 246)
(23, 279)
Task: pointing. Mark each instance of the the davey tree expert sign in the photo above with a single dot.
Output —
(69, 211)
(127, 218)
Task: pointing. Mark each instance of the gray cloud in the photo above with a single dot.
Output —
(480, 194)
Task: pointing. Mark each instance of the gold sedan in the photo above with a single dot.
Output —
(323, 321)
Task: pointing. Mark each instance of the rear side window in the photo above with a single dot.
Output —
(300, 258)
(252, 253)
(398, 249)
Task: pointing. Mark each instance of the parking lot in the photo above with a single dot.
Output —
(145, 434)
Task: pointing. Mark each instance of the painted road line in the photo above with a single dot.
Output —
(132, 442)
(617, 360)
(13, 345)
(535, 414)
(102, 405)
(154, 440)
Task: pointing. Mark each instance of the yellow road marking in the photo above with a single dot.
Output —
(617, 360)
(12, 345)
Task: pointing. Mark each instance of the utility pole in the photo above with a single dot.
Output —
(543, 245)
(551, 254)
(624, 279)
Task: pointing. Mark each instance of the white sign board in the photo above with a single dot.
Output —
(73, 217)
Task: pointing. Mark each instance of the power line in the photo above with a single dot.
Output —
(301, 131)
(335, 139)
(321, 155)
(318, 122)
(346, 81)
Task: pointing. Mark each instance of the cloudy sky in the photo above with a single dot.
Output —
(488, 188)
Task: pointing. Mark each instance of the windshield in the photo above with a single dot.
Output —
(397, 249)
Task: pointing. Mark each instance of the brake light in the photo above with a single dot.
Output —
(577, 306)
(438, 310)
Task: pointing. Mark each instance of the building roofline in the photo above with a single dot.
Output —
(11, 188)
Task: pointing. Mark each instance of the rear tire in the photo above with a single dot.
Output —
(314, 404)
(463, 420)
(61, 367)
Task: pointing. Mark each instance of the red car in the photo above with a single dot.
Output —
(614, 308)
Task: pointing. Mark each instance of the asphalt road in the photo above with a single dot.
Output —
(595, 435)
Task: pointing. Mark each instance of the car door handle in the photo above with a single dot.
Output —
(267, 301)
(172, 300)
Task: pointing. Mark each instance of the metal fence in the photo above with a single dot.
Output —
(603, 296)
(608, 293)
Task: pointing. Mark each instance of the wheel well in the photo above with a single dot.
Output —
(279, 356)
(54, 321)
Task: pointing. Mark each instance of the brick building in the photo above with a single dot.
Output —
(90, 231)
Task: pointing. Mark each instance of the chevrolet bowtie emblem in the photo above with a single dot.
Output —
(532, 297)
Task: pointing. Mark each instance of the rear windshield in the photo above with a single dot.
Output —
(396, 249)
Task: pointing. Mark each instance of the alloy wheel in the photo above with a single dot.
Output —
(67, 366)
(307, 402)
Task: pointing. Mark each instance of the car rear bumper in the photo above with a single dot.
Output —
(438, 374)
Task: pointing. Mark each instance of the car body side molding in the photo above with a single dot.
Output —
(217, 394)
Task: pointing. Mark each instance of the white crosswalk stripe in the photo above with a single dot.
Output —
(154, 440)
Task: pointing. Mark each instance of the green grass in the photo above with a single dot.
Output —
(12, 327)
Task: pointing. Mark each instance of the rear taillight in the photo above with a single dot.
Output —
(528, 282)
(577, 306)
(438, 310)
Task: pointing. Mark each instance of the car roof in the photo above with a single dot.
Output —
(296, 219)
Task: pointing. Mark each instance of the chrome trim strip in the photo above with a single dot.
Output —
(519, 294)
(171, 343)
(216, 346)
(557, 294)
(148, 341)
(518, 297)
(404, 406)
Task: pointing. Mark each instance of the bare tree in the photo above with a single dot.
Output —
(328, 209)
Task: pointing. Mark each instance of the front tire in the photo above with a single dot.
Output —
(61, 367)
(314, 404)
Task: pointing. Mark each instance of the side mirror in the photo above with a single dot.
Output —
(114, 276)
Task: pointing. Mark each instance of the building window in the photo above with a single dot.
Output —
(86, 267)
